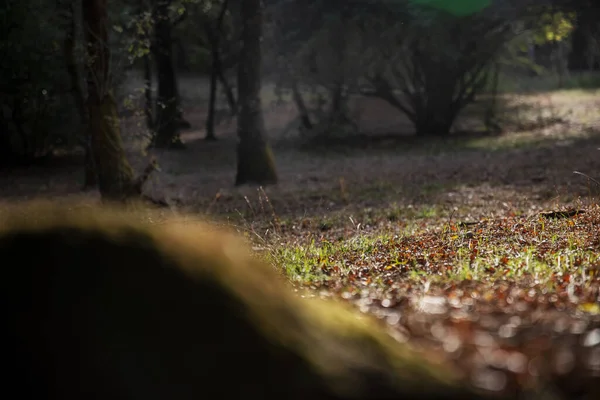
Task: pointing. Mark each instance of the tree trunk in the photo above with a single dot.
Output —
(581, 56)
(214, 37)
(434, 123)
(71, 62)
(115, 176)
(149, 103)
(180, 57)
(255, 159)
(490, 116)
(233, 107)
(337, 116)
(90, 178)
(210, 120)
(301, 106)
(167, 108)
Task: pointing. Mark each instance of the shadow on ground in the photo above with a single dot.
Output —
(468, 174)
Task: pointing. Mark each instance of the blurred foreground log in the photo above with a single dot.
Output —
(99, 304)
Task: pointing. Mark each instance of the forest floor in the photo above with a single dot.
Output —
(455, 244)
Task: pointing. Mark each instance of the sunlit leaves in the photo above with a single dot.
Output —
(554, 27)
(492, 295)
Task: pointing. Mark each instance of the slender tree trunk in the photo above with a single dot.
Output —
(233, 107)
(214, 38)
(336, 110)
(146, 36)
(210, 120)
(149, 103)
(115, 176)
(90, 178)
(255, 158)
(180, 57)
(337, 115)
(490, 116)
(144, 6)
(228, 56)
(167, 108)
(71, 62)
(301, 106)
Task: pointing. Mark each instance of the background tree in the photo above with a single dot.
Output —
(315, 62)
(255, 163)
(115, 175)
(72, 34)
(168, 113)
(212, 51)
(38, 111)
(406, 68)
(144, 28)
(214, 34)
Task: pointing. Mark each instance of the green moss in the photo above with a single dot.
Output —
(102, 304)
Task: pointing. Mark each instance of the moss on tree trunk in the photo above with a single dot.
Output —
(255, 159)
(115, 175)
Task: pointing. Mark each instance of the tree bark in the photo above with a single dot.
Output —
(301, 106)
(146, 36)
(233, 107)
(115, 175)
(167, 109)
(214, 36)
(581, 56)
(90, 178)
(71, 62)
(148, 101)
(255, 158)
(210, 119)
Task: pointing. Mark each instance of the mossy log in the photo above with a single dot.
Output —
(99, 304)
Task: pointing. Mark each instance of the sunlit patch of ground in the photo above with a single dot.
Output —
(513, 300)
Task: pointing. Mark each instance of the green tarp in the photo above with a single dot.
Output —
(456, 7)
